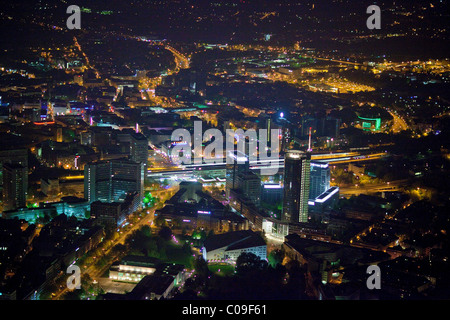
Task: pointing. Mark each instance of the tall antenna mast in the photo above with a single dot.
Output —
(309, 142)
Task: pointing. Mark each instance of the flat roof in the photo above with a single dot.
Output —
(141, 261)
(234, 240)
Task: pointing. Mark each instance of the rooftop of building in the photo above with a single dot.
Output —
(72, 200)
(13, 165)
(119, 160)
(139, 136)
(328, 193)
(140, 261)
(157, 284)
(171, 269)
(347, 254)
(234, 240)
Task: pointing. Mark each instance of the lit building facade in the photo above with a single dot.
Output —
(249, 183)
(296, 186)
(237, 162)
(139, 149)
(112, 180)
(319, 178)
(133, 268)
(325, 201)
(15, 186)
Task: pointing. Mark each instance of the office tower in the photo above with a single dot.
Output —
(320, 179)
(100, 136)
(111, 180)
(296, 186)
(15, 186)
(332, 127)
(7, 155)
(328, 127)
(237, 162)
(321, 126)
(139, 149)
(249, 183)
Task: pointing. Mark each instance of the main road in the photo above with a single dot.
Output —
(181, 59)
(399, 124)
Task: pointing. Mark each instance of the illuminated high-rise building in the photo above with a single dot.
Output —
(249, 183)
(139, 149)
(8, 154)
(237, 163)
(296, 186)
(112, 180)
(320, 178)
(15, 186)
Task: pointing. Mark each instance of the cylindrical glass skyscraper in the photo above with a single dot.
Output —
(296, 186)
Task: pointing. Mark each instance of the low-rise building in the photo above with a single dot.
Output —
(227, 247)
(153, 287)
(133, 268)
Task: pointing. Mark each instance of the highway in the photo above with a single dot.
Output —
(183, 61)
(399, 124)
(333, 60)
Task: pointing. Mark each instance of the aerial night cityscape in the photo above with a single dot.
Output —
(207, 150)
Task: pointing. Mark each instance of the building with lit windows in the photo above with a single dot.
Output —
(69, 206)
(237, 162)
(72, 206)
(115, 213)
(249, 184)
(271, 192)
(191, 208)
(296, 186)
(15, 186)
(325, 201)
(30, 214)
(9, 155)
(319, 178)
(133, 268)
(139, 149)
(112, 180)
(369, 124)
